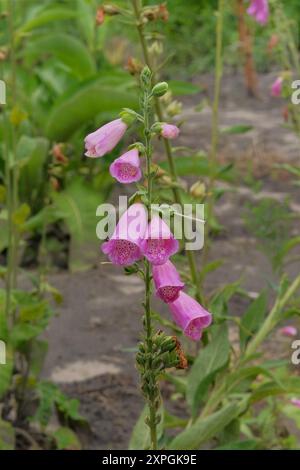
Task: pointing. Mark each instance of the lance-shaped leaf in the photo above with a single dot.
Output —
(209, 361)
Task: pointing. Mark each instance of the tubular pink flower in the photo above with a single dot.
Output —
(123, 248)
(276, 88)
(168, 131)
(259, 9)
(159, 242)
(167, 282)
(295, 402)
(104, 139)
(126, 169)
(190, 316)
(288, 331)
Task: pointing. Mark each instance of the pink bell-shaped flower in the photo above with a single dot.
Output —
(123, 248)
(167, 282)
(276, 88)
(295, 402)
(126, 169)
(104, 139)
(169, 131)
(189, 315)
(159, 242)
(290, 331)
(259, 9)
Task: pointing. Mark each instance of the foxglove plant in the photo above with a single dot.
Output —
(141, 237)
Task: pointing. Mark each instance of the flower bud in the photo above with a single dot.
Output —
(146, 75)
(160, 89)
(100, 16)
(198, 190)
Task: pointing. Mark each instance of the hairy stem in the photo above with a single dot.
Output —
(152, 385)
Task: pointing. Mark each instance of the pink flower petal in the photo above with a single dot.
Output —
(104, 139)
(159, 243)
(189, 315)
(167, 282)
(126, 169)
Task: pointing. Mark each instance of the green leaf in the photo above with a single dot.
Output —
(179, 88)
(69, 407)
(6, 371)
(38, 352)
(44, 17)
(285, 249)
(77, 206)
(66, 439)
(197, 165)
(209, 361)
(89, 99)
(210, 267)
(219, 303)
(140, 437)
(33, 313)
(20, 215)
(32, 152)
(205, 429)
(23, 332)
(47, 392)
(86, 21)
(73, 54)
(238, 129)
(249, 444)
(7, 436)
(253, 318)
(290, 385)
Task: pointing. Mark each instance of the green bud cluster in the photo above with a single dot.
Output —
(152, 364)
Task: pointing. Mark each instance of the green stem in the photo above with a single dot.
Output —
(11, 176)
(148, 320)
(213, 163)
(137, 7)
